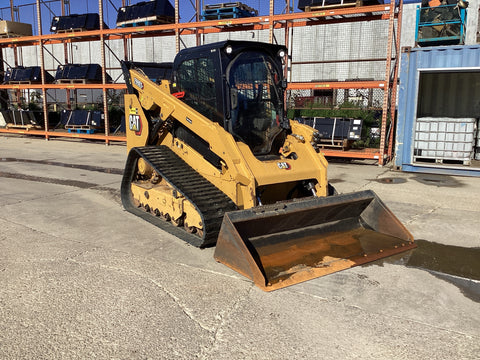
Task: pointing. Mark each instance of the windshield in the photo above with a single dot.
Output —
(256, 100)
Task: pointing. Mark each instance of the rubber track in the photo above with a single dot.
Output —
(210, 202)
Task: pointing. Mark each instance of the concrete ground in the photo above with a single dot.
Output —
(81, 278)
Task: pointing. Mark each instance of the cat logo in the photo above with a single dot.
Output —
(135, 124)
(138, 83)
(284, 165)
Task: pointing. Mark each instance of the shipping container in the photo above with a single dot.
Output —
(438, 110)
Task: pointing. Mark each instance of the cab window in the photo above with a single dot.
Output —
(196, 77)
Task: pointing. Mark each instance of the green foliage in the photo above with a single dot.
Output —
(346, 110)
(32, 104)
(371, 119)
(93, 107)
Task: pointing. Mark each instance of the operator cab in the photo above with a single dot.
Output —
(240, 86)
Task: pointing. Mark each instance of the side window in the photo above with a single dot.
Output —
(197, 78)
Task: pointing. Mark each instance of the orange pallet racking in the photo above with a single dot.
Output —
(286, 21)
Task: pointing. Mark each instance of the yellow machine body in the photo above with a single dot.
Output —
(277, 239)
(241, 171)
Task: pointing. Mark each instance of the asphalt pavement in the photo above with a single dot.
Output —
(81, 278)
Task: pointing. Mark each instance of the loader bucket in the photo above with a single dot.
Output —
(290, 242)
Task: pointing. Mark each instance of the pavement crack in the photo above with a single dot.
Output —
(52, 162)
(55, 237)
(111, 189)
(32, 229)
(48, 180)
(233, 276)
(38, 198)
(64, 182)
(367, 184)
(409, 320)
(310, 295)
(224, 317)
(470, 336)
(423, 213)
(188, 313)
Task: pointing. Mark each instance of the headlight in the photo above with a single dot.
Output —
(281, 53)
(228, 50)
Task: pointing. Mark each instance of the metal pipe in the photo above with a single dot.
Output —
(386, 95)
(270, 21)
(42, 71)
(104, 71)
(197, 19)
(337, 61)
(12, 13)
(177, 30)
(65, 58)
(395, 80)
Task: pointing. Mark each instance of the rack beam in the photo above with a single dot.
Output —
(336, 85)
(285, 21)
(116, 86)
(49, 134)
(375, 12)
(368, 153)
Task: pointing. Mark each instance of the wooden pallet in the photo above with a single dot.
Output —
(343, 144)
(11, 35)
(26, 82)
(226, 14)
(76, 81)
(464, 162)
(23, 127)
(236, 4)
(85, 127)
(71, 30)
(356, 3)
(81, 129)
(148, 21)
(222, 5)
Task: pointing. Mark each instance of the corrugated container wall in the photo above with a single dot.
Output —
(437, 82)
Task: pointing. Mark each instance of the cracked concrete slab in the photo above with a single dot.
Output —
(81, 278)
(445, 210)
(332, 328)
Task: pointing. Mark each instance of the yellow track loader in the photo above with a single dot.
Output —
(214, 160)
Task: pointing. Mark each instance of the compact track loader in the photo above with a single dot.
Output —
(214, 160)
